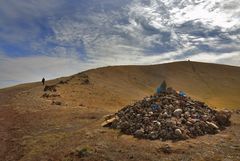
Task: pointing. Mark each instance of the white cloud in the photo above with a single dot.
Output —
(225, 58)
(153, 27)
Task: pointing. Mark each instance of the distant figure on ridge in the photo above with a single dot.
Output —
(162, 87)
(43, 81)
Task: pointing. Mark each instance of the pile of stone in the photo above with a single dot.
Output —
(63, 82)
(168, 116)
(48, 95)
(84, 78)
(51, 88)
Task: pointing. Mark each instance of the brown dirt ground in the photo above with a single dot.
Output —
(32, 129)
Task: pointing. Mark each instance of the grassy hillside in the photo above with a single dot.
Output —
(34, 127)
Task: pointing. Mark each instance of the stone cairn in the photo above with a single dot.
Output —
(168, 116)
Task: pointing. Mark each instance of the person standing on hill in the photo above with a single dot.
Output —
(43, 81)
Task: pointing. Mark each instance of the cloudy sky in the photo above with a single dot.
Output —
(54, 38)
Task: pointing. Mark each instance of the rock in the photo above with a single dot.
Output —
(212, 125)
(157, 123)
(237, 111)
(204, 117)
(175, 118)
(178, 132)
(193, 110)
(85, 81)
(223, 118)
(165, 114)
(150, 113)
(177, 112)
(166, 149)
(108, 122)
(82, 152)
(107, 117)
(63, 82)
(153, 135)
(125, 125)
(47, 95)
(186, 114)
(56, 103)
(188, 123)
(51, 88)
(177, 102)
(139, 133)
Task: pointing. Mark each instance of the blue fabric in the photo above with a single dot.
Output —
(155, 107)
(160, 89)
(181, 93)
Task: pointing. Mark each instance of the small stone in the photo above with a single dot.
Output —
(177, 102)
(150, 113)
(108, 122)
(188, 123)
(82, 152)
(223, 117)
(194, 120)
(166, 149)
(212, 125)
(125, 125)
(138, 115)
(204, 117)
(157, 123)
(165, 114)
(131, 157)
(178, 132)
(193, 110)
(186, 114)
(177, 112)
(106, 117)
(139, 133)
(153, 135)
(51, 88)
(56, 103)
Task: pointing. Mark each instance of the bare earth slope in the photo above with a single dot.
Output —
(217, 85)
(34, 128)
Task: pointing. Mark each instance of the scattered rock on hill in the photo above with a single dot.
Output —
(63, 82)
(51, 88)
(56, 103)
(47, 95)
(169, 116)
(82, 152)
(166, 149)
(237, 111)
(84, 79)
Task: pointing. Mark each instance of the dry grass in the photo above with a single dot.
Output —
(31, 128)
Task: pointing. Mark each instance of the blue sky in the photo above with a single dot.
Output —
(53, 38)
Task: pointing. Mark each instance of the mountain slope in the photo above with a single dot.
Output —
(217, 85)
(38, 125)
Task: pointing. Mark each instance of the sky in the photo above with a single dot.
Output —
(54, 38)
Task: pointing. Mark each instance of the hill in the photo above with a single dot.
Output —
(38, 125)
(112, 87)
